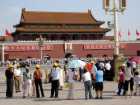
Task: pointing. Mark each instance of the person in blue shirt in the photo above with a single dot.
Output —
(99, 81)
(55, 82)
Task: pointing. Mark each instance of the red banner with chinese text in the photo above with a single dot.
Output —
(27, 47)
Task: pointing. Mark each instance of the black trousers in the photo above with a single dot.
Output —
(54, 88)
(9, 90)
(120, 87)
(38, 84)
(80, 73)
(126, 85)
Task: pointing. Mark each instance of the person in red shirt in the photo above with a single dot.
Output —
(121, 79)
(91, 68)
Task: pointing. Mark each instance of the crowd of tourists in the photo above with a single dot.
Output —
(91, 75)
(128, 78)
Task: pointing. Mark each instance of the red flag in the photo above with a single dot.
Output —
(137, 33)
(129, 33)
(120, 34)
(7, 33)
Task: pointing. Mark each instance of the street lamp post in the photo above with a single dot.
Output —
(114, 7)
(40, 43)
(118, 6)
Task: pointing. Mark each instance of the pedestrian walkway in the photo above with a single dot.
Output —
(109, 97)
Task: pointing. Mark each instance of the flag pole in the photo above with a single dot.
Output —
(128, 35)
(3, 58)
(137, 34)
(120, 35)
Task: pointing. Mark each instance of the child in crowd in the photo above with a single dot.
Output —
(99, 81)
(137, 83)
(121, 79)
(87, 83)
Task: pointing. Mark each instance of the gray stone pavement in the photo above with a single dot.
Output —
(109, 97)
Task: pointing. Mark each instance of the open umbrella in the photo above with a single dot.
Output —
(76, 64)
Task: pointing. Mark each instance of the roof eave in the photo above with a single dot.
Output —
(98, 23)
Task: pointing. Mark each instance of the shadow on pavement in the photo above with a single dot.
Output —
(65, 99)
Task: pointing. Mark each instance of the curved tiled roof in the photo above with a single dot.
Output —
(58, 17)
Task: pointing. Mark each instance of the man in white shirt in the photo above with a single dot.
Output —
(108, 66)
(17, 78)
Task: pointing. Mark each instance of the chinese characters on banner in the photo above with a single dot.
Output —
(27, 47)
(100, 46)
(68, 46)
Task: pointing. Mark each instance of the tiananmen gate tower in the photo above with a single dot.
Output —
(58, 33)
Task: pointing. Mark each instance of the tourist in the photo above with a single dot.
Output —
(107, 70)
(38, 81)
(137, 83)
(65, 70)
(72, 76)
(99, 81)
(46, 75)
(134, 66)
(33, 86)
(93, 77)
(55, 75)
(61, 79)
(91, 67)
(9, 81)
(17, 78)
(81, 69)
(87, 83)
(121, 79)
(128, 79)
(15, 63)
(27, 83)
(62, 76)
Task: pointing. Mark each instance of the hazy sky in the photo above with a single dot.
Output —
(10, 12)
